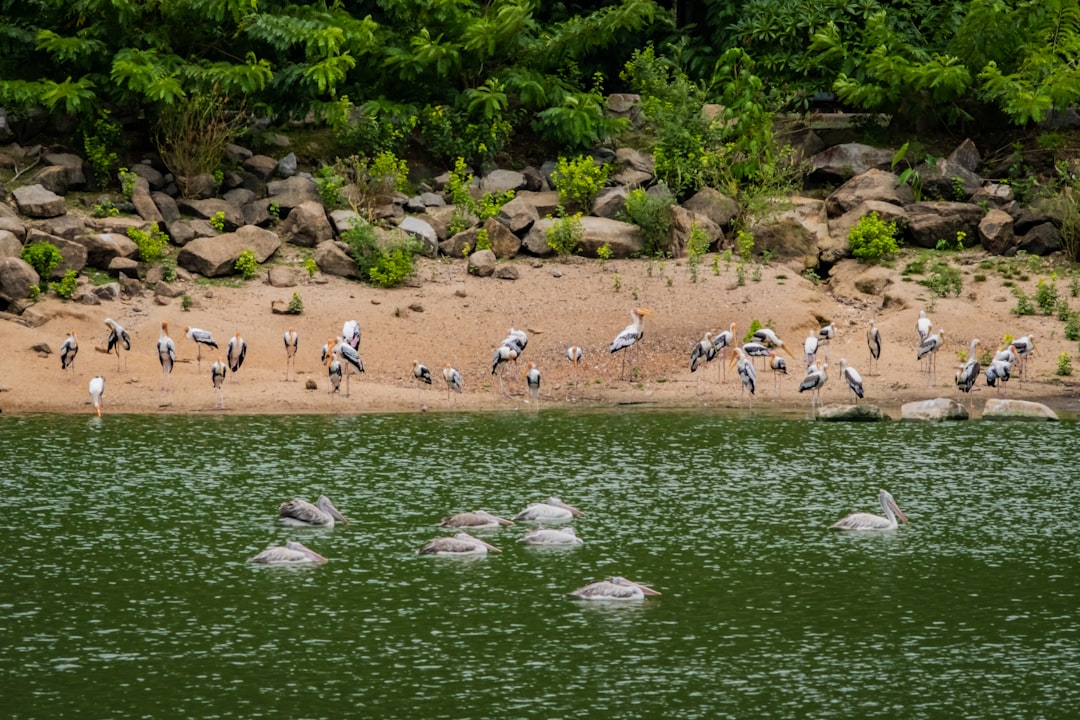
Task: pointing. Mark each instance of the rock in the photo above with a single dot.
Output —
(931, 221)
(216, 256)
(101, 248)
(86, 297)
(343, 220)
(482, 263)
(624, 239)
(108, 291)
(283, 276)
(167, 206)
(37, 202)
(130, 286)
(1042, 239)
(307, 225)
(683, 222)
(72, 167)
(934, 410)
(9, 245)
(261, 166)
(851, 413)
(996, 233)
(948, 180)
(232, 215)
(287, 166)
(119, 265)
(841, 162)
(67, 226)
(333, 259)
(155, 180)
(168, 290)
(873, 185)
(500, 181)
(840, 228)
(236, 154)
(610, 202)
(144, 202)
(504, 243)
(518, 215)
(1004, 409)
(53, 179)
(199, 187)
(74, 254)
(794, 232)
(291, 192)
(11, 222)
(714, 205)
(507, 271)
(16, 278)
(422, 231)
(310, 384)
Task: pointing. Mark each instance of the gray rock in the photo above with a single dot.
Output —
(102, 248)
(851, 413)
(291, 192)
(1043, 239)
(155, 180)
(504, 243)
(283, 276)
(257, 212)
(610, 202)
(16, 278)
(216, 256)
(343, 220)
(631, 178)
(12, 223)
(9, 245)
(876, 185)
(74, 254)
(683, 222)
(168, 289)
(948, 180)
(144, 202)
(482, 263)
(287, 166)
(796, 231)
(53, 179)
(714, 205)
(108, 291)
(86, 297)
(1004, 409)
(72, 166)
(37, 202)
(499, 181)
(841, 162)
(546, 203)
(127, 266)
(840, 228)
(209, 208)
(934, 410)
(966, 155)
(507, 271)
(198, 187)
(518, 215)
(333, 259)
(166, 205)
(996, 233)
(239, 197)
(261, 166)
(236, 154)
(624, 239)
(180, 232)
(307, 225)
(418, 228)
(930, 221)
(440, 218)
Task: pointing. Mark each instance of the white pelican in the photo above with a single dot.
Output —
(68, 351)
(551, 536)
(810, 346)
(460, 544)
(923, 325)
(532, 378)
(967, 375)
(852, 378)
(166, 351)
(97, 389)
(333, 372)
(300, 513)
(873, 341)
(630, 334)
(235, 352)
(747, 373)
(930, 346)
(722, 341)
(474, 519)
(614, 588)
(292, 344)
(217, 376)
(867, 521)
(292, 553)
(769, 338)
(350, 333)
(453, 381)
(118, 337)
(200, 337)
(815, 380)
(552, 509)
(999, 371)
(778, 367)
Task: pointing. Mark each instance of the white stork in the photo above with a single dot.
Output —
(200, 337)
(810, 348)
(852, 378)
(350, 333)
(118, 337)
(930, 346)
(767, 337)
(630, 335)
(166, 350)
(779, 367)
(292, 344)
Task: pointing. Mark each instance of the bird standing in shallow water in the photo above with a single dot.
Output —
(68, 351)
(97, 389)
(217, 376)
(868, 521)
(532, 378)
(118, 337)
(574, 354)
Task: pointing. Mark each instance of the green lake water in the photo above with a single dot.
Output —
(126, 593)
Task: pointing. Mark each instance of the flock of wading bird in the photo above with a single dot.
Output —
(552, 530)
(764, 343)
(341, 357)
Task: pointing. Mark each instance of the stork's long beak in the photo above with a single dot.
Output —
(788, 352)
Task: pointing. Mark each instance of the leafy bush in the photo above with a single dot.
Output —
(394, 266)
(872, 239)
(744, 242)
(43, 257)
(652, 213)
(151, 244)
(1024, 305)
(311, 266)
(192, 132)
(1046, 295)
(578, 181)
(247, 265)
(100, 143)
(66, 287)
(384, 267)
(565, 234)
(296, 305)
(943, 280)
(1064, 364)
(1072, 326)
(105, 208)
(127, 182)
(217, 221)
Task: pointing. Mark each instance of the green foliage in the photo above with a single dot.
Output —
(483, 242)
(296, 305)
(247, 265)
(603, 254)
(697, 244)
(191, 134)
(908, 176)
(1072, 326)
(578, 181)
(449, 132)
(168, 268)
(1046, 295)
(101, 142)
(185, 302)
(35, 293)
(1064, 364)
(127, 182)
(616, 281)
(943, 280)
(311, 266)
(873, 239)
(329, 182)
(1024, 306)
(579, 121)
(67, 286)
(151, 244)
(811, 275)
(274, 210)
(105, 208)
(755, 325)
(44, 257)
(217, 221)
(385, 266)
(652, 213)
(377, 126)
(740, 274)
(744, 242)
(565, 234)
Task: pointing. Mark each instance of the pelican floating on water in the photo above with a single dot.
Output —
(292, 553)
(552, 509)
(301, 513)
(460, 544)
(614, 588)
(475, 519)
(551, 536)
(868, 521)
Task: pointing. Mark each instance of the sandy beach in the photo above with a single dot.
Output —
(445, 316)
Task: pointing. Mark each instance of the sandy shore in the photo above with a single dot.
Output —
(449, 317)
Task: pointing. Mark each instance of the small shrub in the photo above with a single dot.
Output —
(247, 265)
(483, 242)
(127, 182)
(1046, 295)
(811, 275)
(755, 325)
(740, 274)
(578, 181)
(311, 266)
(43, 257)
(1072, 326)
(603, 254)
(185, 303)
(394, 266)
(756, 274)
(296, 305)
(191, 134)
(35, 293)
(566, 234)
(68, 285)
(1024, 306)
(329, 184)
(151, 244)
(99, 143)
(978, 277)
(652, 213)
(872, 239)
(168, 268)
(616, 281)
(1062, 309)
(1064, 364)
(105, 208)
(274, 210)
(218, 221)
(944, 280)
(744, 242)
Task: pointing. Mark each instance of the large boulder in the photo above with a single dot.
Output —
(420, 230)
(1004, 409)
(500, 181)
(851, 413)
(518, 215)
(624, 239)
(841, 162)
(333, 258)
(931, 221)
(796, 229)
(232, 215)
(102, 248)
(714, 205)
(73, 254)
(10, 246)
(996, 233)
(216, 256)
(37, 202)
(144, 202)
(873, 185)
(307, 225)
(16, 278)
(291, 192)
(934, 410)
(1042, 239)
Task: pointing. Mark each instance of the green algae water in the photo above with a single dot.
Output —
(126, 593)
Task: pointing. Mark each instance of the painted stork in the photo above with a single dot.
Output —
(779, 367)
(722, 341)
(873, 341)
(235, 352)
(68, 351)
(166, 351)
(810, 348)
(767, 337)
(813, 382)
(333, 372)
(532, 378)
(969, 373)
(998, 374)
(929, 347)
(97, 389)
(630, 335)
(118, 337)
(292, 344)
(200, 338)
(747, 375)
(217, 376)
(350, 333)
(852, 378)
(453, 381)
